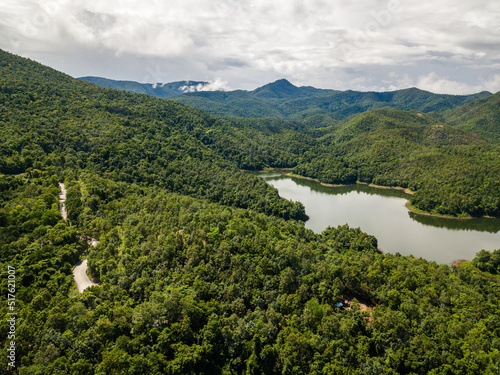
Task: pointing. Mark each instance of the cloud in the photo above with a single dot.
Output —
(441, 85)
(313, 42)
(217, 85)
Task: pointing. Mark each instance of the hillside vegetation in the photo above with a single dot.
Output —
(452, 172)
(51, 119)
(481, 117)
(204, 269)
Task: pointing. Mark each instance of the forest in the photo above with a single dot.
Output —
(204, 269)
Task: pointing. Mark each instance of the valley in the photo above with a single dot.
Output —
(203, 268)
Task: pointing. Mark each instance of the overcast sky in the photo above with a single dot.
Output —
(444, 46)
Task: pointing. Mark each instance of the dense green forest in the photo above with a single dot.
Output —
(452, 172)
(204, 269)
(189, 286)
(480, 116)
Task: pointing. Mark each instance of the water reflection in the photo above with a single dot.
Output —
(341, 190)
(382, 212)
(480, 225)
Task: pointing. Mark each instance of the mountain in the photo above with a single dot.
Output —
(362, 137)
(384, 146)
(317, 107)
(237, 103)
(283, 90)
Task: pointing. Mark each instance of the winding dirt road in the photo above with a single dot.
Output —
(80, 271)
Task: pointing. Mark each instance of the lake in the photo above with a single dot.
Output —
(382, 213)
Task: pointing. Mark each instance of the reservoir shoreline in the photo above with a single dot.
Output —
(385, 214)
(405, 190)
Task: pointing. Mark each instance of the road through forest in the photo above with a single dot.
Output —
(80, 271)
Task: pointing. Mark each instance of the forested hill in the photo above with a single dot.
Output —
(50, 119)
(451, 171)
(283, 99)
(201, 269)
(480, 116)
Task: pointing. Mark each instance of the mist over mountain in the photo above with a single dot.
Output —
(159, 90)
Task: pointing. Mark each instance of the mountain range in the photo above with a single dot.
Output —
(282, 99)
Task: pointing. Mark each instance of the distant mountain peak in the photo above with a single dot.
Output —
(279, 89)
(283, 81)
(280, 84)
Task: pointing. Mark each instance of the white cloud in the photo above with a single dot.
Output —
(217, 85)
(441, 85)
(319, 42)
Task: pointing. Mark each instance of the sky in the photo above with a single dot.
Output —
(443, 46)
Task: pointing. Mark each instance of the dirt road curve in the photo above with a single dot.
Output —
(81, 278)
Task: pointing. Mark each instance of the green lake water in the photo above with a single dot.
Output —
(383, 214)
